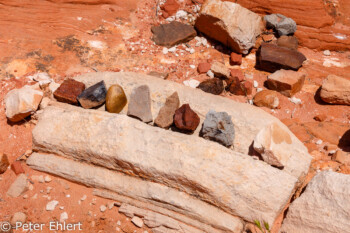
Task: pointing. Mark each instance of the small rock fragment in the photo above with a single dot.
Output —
(170, 7)
(320, 117)
(210, 74)
(68, 91)
(267, 98)
(236, 59)
(191, 83)
(214, 86)
(140, 104)
(218, 127)
(44, 102)
(341, 157)
(327, 53)
(93, 96)
(21, 103)
(286, 82)
(186, 119)
(63, 217)
(165, 116)
(47, 179)
(203, 67)
(51, 205)
(17, 168)
(18, 217)
(237, 73)
(220, 70)
(43, 78)
(4, 163)
(158, 74)
(137, 221)
(290, 42)
(19, 186)
(172, 34)
(336, 90)
(282, 24)
(115, 99)
(103, 208)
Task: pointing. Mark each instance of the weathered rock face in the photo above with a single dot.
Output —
(69, 90)
(140, 104)
(173, 33)
(336, 90)
(267, 98)
(214, 86)
(115, 99)
(287, 82)
(283, 25)
(165, 116)
(93, 96)
(229, 23)
(21, 103)
(186, 119)
(218, 127)
(4, 163)
(323, 207)
(271, 58)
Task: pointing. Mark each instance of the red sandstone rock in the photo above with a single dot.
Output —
(237, 73)
(203, 67)
(17, 167)
(236, 59)
(239, 88)
(287, 82)
(169, 8)
(69, 91)
(186, 119)
(248, 86)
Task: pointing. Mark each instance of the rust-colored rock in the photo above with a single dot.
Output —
(236, 87)
(69, 91)
(235, 73)
(203, 67)
(267, 98)
(186, 119)
(341, 157)
(287, 82)
(169, 8)
(17, 167)
(214, 86)
(289, 42)
(236, 59)
(320, 117)
(4, 163)
(271, 57)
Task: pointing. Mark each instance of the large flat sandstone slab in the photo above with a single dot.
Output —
(248, 120)
(232, 181)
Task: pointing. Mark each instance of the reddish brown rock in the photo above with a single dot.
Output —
(320, 117)
(271, 57)
(267, 98)
(169, 8)
(203, 67)
(69, 91)
(239, 88)
(165, 116)
(4, 163)
(214, 86)
(287, 82)
(236, 59)
(186, 119)
(17, 167)
(248, 86)
(235, 73)
(341, 157)
(290, 42)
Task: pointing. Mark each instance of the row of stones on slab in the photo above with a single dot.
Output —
(217, 126)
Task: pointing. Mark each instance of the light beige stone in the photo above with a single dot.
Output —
(18, 217)
(336, 90)
(19, 186)
(220, 70)
(287, 82)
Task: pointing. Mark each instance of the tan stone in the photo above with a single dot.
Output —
(220, 70)
(165, 116)
(336, 90)
(19, 186)
(287, 82)
(267, 98)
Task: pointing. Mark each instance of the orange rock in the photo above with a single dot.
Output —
(236, 59)
(341, 157)
(170, 7)
(17, 167)
(203, 67)
(320, 117)
(286, 82)
(267, 98)
(237, 73)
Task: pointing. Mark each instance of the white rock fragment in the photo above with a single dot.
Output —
(192, 66)
(319, 142)
(51, 205)
(327, 53)
(295, 100)
(63, 217)
(181, 14)
(170, 19)
(165, 51)
(172, 49)
(191, 83)
(192, 51)
(83, 198)
(103, 208)
(210, 74)
(137, 221)
(255, 83)
(42, 78)
(259, 89)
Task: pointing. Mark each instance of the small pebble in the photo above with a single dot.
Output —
(327, 53)
(47, 179)
(256, 84)
(319, 142)
(103, 208)
(210, 74)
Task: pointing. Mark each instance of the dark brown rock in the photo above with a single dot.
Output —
(4, 163)
(165, 116)
(214, 86)
(203, 67)
(236, 59)
(173, 33)
(93, 96)
(271, 57)
(186, 119)
(239, 88)
(320, 117)
(69, 91)
(290, 42)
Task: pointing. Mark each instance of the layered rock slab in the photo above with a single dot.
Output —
(248, 120)
(336, 90)
(244, 187)
(324, 207)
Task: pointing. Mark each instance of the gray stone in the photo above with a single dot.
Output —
(283, 25)
(140, 104)
(218, 127)
(324, 207)
(93, 96)
(19, 186)
(165, 116)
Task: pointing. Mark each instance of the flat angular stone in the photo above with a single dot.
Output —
(218, 127)
(140, 104)
(220, 70)
(172, 34)
(284, 26)
(68, 91)
(237, 73)
(275, 145)
(4, 163)
(290, 42)
(341, 157)
(323, 207)
(19, 186)
(336, 90)
(17, 168)
(236, 59)
(214, 86)
(137, 221)
(267, 98)
(203, 67)
(21, 103)
(286, 82)
(271, 58)
(93, 96)
(165, 116)
(186, 119)
(229, 23)
(115, 99)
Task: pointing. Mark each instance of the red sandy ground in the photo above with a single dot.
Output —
(53, 36)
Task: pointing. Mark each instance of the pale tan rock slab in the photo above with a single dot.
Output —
(336, 90)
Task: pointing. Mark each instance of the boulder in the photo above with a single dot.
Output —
(203, 67)
(220, 70)
(19, 186)
(165, 116)
(214, 86)
(323, 207)
(186, 119)
(286, 82)
(93, 96)
(336, 90)
(289, 42)
(21, 103)
(235, 59)
(283, 25)
(267, 98)
(229, 23)
(4, 163)
(272, 57)
(69, 91)
(115, 99)
(218, 127)
(274, 144)
(140, 104)
(172, 34)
